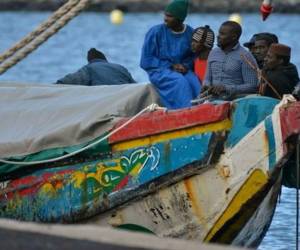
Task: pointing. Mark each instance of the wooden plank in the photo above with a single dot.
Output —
(20, 235)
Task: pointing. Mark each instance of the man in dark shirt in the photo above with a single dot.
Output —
(261, 46)
(98, 71)
(279, 75)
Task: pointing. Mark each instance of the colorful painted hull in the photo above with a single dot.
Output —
(208, 173)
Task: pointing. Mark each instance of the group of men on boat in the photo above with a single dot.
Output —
(183, 65)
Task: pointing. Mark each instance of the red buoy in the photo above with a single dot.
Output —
(265, 9)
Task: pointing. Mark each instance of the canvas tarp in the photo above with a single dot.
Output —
(40, 117)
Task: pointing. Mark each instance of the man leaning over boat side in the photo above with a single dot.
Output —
(98, 71)
(168, 59)
(229, 71)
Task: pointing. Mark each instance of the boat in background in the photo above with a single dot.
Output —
(211, 172)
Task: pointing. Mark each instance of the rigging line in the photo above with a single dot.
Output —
(40, 29)
(201, 100)
(297, 191)
(43, 37)
(152, 107)
(260, 76)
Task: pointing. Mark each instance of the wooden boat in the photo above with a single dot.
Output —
(211, 173)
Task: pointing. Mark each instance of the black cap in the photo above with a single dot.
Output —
(269, 37)
(95, 54)
(251, 41)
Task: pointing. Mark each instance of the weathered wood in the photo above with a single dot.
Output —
(20, 235)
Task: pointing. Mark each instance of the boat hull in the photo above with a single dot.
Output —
(209, 173)
(194, 208)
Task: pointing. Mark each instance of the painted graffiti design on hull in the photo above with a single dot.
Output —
(107, 176)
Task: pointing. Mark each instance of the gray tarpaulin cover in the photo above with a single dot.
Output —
(39, 117)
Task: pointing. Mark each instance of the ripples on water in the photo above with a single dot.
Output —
(66, 52)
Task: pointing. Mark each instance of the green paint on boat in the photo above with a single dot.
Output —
(135, 228)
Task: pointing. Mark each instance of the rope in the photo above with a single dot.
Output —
(297, 191)
(40, 29)
(260, 76)
(44, 36)
(201, 99)
(150, 108)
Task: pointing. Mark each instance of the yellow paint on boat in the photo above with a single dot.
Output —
(47, 189)
(266, 144)
(77, 178)
(252, 185)
(136, 170)
(213, 127)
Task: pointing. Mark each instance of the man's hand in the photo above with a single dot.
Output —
(179, 68)
(205, 88)
(217, 90)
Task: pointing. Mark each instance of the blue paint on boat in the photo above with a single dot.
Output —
(271, 142)
(248, 113)
(189, 149)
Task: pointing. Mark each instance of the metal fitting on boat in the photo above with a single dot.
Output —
(225, 171)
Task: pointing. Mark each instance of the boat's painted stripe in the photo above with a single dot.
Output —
(135, 228)
(252, 185)
(247, 114)
(161, 121)
(271, 141)
(281, 149)
(290, 120)
(213, 127)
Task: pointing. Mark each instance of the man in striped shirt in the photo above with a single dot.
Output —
(231, 69)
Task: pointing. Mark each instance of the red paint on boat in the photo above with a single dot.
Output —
(30, 185)
(160, 121)
(290, 120)
(122, 184)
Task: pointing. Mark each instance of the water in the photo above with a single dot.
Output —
(66, 52)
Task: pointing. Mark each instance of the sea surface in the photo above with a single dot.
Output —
(66, 52)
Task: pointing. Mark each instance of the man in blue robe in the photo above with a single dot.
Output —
(168, 59)
(98, 71)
